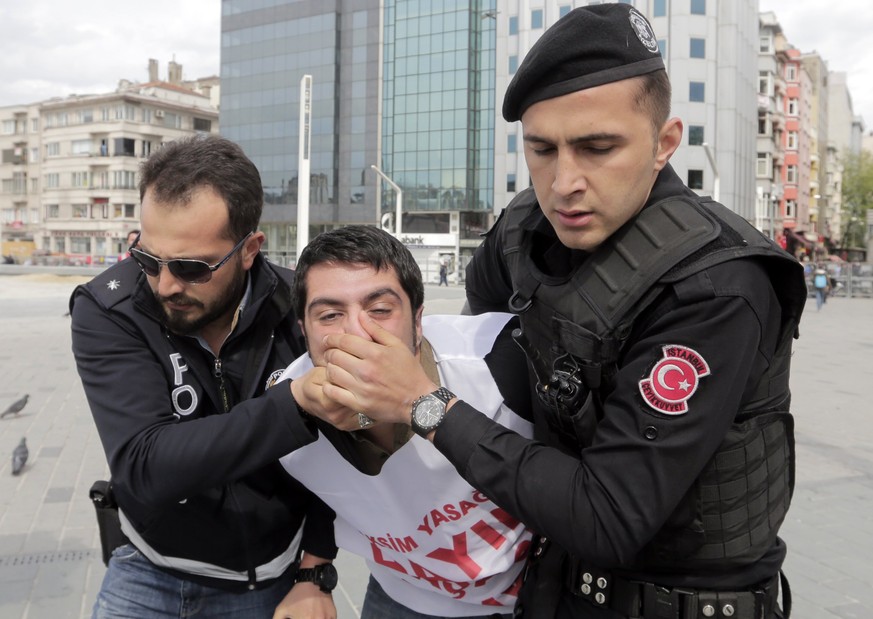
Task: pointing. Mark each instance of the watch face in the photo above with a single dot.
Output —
(328, 578)
(429, 411)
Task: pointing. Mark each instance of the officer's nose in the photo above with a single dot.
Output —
(168, 284)
(569, 176)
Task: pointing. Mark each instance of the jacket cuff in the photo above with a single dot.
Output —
(460, 433)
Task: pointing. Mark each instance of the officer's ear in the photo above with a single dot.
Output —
(669, 138)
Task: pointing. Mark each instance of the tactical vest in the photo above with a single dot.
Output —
(579, 325)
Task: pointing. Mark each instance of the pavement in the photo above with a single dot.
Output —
(50, 565)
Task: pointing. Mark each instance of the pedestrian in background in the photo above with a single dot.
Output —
(821, 284)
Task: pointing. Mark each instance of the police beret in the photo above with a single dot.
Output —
(589, 46)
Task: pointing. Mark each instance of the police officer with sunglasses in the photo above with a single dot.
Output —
(177, 350)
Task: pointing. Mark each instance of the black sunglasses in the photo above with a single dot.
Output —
(189, 271)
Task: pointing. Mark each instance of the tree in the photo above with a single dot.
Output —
(857, 197)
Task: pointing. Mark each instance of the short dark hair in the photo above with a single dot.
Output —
(654, 97)
(358, 244)
(180, 167)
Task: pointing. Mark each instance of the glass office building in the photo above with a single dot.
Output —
(408, 87)
(438, 130)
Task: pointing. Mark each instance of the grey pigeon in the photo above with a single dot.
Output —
(19, 457)
(15, 407)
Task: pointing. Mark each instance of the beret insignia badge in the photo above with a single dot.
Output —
(643, 31)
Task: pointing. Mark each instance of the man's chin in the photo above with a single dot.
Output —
(183, 323)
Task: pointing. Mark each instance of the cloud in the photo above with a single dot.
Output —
(840, 33)
(56, 47)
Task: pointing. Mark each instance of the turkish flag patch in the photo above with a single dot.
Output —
(674, 379)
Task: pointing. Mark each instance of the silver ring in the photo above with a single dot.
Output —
(364, 421)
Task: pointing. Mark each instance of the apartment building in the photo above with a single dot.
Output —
(69, 167)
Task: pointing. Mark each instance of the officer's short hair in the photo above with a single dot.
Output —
(179, 168)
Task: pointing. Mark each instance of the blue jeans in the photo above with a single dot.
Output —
(134, 587)
(377, 605)
(819, 298)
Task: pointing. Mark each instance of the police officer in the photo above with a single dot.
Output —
(658, 326)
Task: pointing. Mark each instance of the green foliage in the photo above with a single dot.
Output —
(857, 197)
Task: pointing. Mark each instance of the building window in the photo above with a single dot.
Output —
(696, 91)
(125, 147)
(792, 107)
(791, 72)
(695, 135)
(695, 179)
(764, 83)
(513, 64)
(536, 19)
(791, 174)
(202, 124)
(662, 47)
(52, 211)
(511, 143)
(790, 209)
(79, 179)
(698, 7)
(52, 149)
(80, 245)
(763, 124)
(81, 147)
(765, 43)
(762, 168)
(52, 180)
(80, 211)
(564, 9)
(697, 48)
(123, 211)
(513, 24)
(660, 8)
(792, 140)
(510, 183)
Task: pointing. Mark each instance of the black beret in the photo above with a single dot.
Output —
(589, 46)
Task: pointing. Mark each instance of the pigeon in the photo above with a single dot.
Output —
(15, 407)
(19, 457)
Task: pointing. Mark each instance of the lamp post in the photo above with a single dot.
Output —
(399, 193)
(715, 179)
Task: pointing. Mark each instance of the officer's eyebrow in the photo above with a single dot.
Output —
(582, 139)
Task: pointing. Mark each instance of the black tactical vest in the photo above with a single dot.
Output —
(579, 324)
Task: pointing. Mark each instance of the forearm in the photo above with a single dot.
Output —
(145, 443)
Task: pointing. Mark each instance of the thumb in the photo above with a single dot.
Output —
(376, 331)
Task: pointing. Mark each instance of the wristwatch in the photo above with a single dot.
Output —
(323, 575)
(429, 410)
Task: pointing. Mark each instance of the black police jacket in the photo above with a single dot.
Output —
(193, 441)
(609, 500)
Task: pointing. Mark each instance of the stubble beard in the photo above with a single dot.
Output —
(184, 324)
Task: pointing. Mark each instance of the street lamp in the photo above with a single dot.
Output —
(399, 193)
(715, 181)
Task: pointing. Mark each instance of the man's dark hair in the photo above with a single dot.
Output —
(180, 167)
(654, 97)
(358, 245)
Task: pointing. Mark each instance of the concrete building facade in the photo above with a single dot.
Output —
(70, 167)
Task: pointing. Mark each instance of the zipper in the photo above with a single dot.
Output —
(217, 373)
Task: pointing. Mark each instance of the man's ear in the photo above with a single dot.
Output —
(252, 248)
(669, 138)
(418, 330)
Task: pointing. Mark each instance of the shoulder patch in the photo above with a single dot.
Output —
(673, 380)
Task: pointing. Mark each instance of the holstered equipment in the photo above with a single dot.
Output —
(111, 536)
